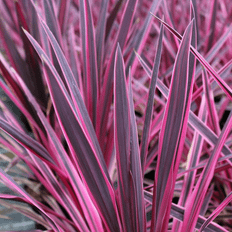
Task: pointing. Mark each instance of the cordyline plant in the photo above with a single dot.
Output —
(125, 113)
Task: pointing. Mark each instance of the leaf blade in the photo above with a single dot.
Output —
(149, 105)
(172, 136)
(97, 179)
(122, 139)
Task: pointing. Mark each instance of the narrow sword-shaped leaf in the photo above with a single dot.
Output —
(136, 169)
(8, 77)
(212, 20)
(37, 88)
(8, 74)
(143, 33)
(150, 101)
(106, 94)
(172, 136)
(91, 172)
(192, 161)
(210, 104)
(80, 190)
(82, 150)
(112, 17)
(79, 108)
(49, 181)
(122, 140)
(100, 38)
(34, 27)
(15, 58)
(198, 139)
(51, 20)
(207, 200)
(53, 186)
(90, 71)
(196, 15)
(203, 165)
(63, 14)
(206, 132)
(74, 62)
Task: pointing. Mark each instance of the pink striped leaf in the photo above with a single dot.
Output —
(216, 47)
(52, 20)
(212, 20)
(53, 24)
(106, 94)
(90, 70)
(150, 102)
(193, 161)
(143, 33)
(75, 93)
(63, 14)
(74, 62)
(112, 17)
(80, 190)
(122, 141)
(92, 169)
(37, 88)
(213, 117)
(172, 135)
(20, 99)
(100, 39)
(136, 169)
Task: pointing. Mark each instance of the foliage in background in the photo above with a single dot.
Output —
(125, 113)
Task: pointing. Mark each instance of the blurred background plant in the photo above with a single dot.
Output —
(116, 114)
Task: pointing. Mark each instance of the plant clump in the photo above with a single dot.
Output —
(123, 118)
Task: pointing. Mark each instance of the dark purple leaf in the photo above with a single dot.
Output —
(172, 136)
(150, 102)
(136, 169)
(92, 170)
(90, 71)
(122, 140)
